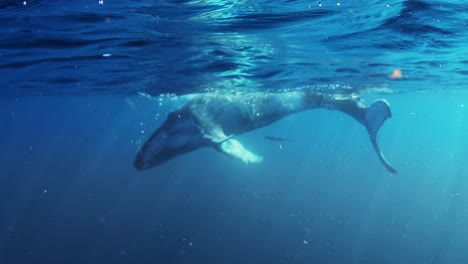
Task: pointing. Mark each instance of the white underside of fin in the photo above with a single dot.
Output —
(235, 149)
(217, 135)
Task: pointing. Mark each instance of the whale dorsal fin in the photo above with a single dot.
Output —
(235, 149)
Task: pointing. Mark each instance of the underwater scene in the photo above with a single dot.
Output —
(241, 131)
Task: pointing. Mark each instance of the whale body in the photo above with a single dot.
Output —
(215, 119)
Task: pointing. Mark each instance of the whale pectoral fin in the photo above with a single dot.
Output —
(235, 149)
(216, 135)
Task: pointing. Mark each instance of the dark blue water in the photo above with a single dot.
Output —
(82, 85)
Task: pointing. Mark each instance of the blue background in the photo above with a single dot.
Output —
(74, 108)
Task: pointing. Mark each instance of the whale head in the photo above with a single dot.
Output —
(179, 134)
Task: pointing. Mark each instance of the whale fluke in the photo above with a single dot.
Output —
(375, 116)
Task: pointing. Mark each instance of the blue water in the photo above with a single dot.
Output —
(83, 85)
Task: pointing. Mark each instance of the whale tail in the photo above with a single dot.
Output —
(375, 116)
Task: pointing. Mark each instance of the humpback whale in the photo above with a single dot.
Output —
(215, 119)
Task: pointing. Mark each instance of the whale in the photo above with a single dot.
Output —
(215, 119)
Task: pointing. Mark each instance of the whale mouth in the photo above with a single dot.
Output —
(139, 163)
(146, 159)
(179, 134)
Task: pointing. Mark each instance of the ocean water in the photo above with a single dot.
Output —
(83, 84)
